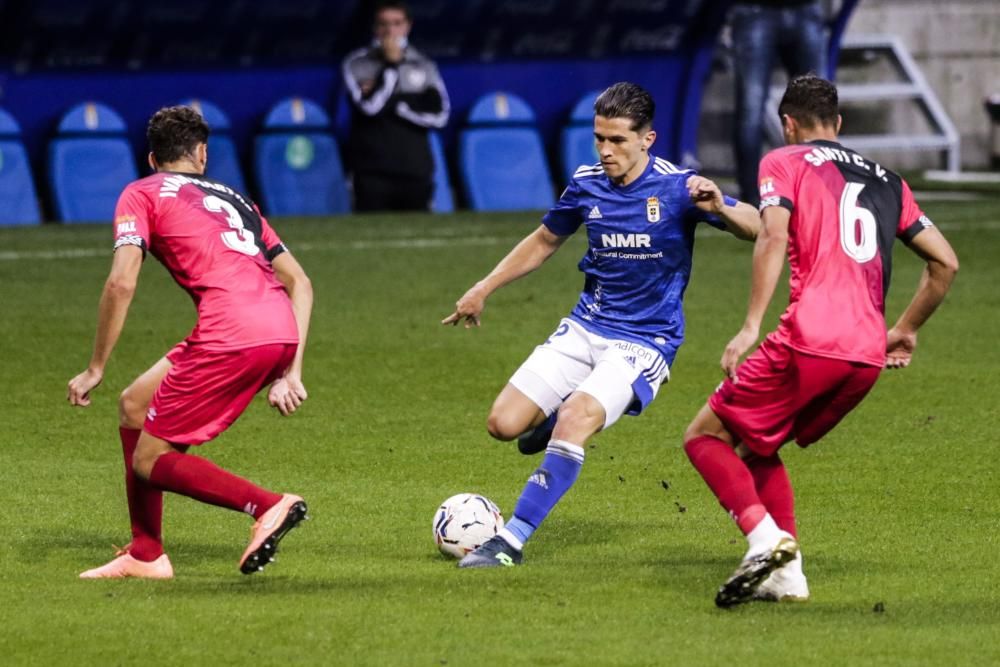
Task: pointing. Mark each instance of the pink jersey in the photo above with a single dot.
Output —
(219, 248)
(846, 211)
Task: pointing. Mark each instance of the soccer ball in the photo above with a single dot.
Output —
(465, 521)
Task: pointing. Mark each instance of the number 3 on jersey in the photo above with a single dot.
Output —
(240, 238)
(858, 229)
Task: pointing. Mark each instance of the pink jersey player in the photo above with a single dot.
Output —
(218, 247)
(836, 213)
(253, 301)
(845, 213)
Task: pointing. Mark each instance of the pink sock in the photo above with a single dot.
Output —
(728, 478)
(145, 504)
(775, 490)
(199, 478)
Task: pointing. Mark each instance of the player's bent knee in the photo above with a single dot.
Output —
(694, 430)
(131, 410)
(707, 423)
(147, 452)
(143, 462)
(504, 427)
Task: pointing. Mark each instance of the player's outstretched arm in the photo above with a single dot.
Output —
(526, 256)
(741, 219)
(287, 393)
(768, 260)
(116, 297)
(942, 265)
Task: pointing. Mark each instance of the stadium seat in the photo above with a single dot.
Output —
(297, 163)
(17, 189)
(90, 163)
(443, 201)
(501, 157)
(577, 141)
(223, 160)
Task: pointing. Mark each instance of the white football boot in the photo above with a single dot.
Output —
(757, 566)
(787, 584)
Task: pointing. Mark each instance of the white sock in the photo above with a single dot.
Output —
(764, 536)
(511, 539)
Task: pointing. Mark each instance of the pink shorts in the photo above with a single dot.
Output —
(784, 394)
(205, 391)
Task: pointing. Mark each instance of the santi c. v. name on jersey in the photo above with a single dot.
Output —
(819, 155)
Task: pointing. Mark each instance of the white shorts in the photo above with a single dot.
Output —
(623, 376)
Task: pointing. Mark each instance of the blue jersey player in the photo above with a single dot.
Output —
(609, 357)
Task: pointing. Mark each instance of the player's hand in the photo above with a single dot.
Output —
(705, 194)
(392, 50)
(737, 347)
(899, 348)
(287, 394)
(468, 308)
(79, 388)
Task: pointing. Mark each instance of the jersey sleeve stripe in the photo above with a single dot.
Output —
(668, 166)
(918, 225)
(783, 202)
(274, 251)
(585, 171)
(131, 239)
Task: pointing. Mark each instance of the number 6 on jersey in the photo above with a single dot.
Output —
(858, 229)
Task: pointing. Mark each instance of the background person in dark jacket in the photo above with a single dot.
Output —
(397, 97)
(764, 32)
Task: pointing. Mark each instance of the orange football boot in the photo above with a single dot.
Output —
(127, 566)
(268, 531)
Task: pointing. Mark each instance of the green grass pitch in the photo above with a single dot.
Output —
(898, 508)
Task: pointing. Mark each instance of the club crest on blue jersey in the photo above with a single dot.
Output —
(653, 209)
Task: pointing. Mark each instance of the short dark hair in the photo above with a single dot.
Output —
(175, 132)
(626, 100)
(810, 100)
(400, 5)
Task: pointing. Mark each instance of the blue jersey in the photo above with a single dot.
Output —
(637, 266)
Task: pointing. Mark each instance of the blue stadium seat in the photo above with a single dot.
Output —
(297, 162)
(443, 201)
(223, 160)
(577, 141)
(501, 157)
(90, 163)
(17, 189)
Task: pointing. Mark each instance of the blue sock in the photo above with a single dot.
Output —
(553, 478)
(519, 529)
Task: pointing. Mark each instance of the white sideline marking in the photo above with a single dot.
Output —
(373, 244)
(946, 196)
(446, 240)
(977, 226)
